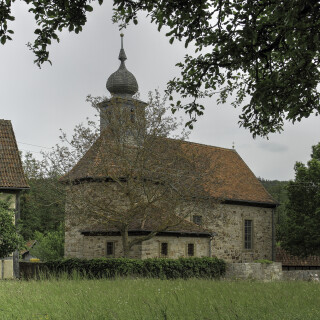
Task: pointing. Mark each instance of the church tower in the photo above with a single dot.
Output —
(121, 107)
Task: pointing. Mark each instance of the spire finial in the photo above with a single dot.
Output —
(122, 54)
(121, 35)
(122, 82)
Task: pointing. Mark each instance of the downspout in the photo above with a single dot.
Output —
(15, 257)
(210, 243)
(273, 237)
(2, 269)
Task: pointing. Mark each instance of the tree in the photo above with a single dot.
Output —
(43, 205)
(50, 245)
(9, 237)
(278, 190)
(51, 17)
(267, 51)
(303, 208)
(136, 177)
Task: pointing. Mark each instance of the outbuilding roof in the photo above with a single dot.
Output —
(11, 171)
(289, 260)
(228, 178)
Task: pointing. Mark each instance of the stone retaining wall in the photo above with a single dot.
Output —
(254, 271)
(303, 275)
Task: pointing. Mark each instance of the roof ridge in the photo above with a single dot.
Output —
(204, 145)
(4, 120)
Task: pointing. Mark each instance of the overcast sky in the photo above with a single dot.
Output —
(41, 101)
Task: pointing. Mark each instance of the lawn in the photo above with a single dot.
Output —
(128, 299)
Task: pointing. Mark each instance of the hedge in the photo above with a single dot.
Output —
(151, 268)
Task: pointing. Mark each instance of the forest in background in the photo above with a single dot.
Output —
(278, 190)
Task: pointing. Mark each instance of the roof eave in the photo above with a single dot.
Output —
(250, 203)
(14, 188)
(146, 232)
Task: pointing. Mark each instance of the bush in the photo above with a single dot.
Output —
(264, 261)
(10, 240)
(151, 268)
(49, 246)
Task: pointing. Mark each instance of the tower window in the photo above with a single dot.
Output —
(197, 220)
(132, 115)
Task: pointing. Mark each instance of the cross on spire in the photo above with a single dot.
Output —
(122, 54)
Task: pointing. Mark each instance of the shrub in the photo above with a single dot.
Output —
(264, 261)
(151, 268)
(50, 245)
(10, 240)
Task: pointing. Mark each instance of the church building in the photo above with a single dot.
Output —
(241, 228)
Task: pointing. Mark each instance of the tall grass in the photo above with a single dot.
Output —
(157, 299)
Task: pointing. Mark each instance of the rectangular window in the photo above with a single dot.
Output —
(197, 220)
(248, 234)
(164, 249)
(190, 249)
(110, 249)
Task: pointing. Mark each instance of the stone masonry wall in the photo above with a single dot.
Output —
(90, 247)
(254, 271)
(226, 220)
(95, 247)
(302, 275)
(228, 244)
(177, 247)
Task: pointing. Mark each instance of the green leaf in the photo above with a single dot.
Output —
(88, 8)
(3, 39)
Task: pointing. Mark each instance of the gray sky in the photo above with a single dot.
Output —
(41, 101)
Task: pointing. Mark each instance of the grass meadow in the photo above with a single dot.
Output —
(128, 299)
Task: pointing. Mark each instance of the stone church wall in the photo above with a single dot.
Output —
(225, 220)
(177, 247)
(228, 244)
(91, 247)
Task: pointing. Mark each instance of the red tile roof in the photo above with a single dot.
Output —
(11, 171)
(227, 178)
(293, 261)
(28, 245)
(236, 182)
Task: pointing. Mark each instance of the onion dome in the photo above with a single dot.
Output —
(122, 82)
